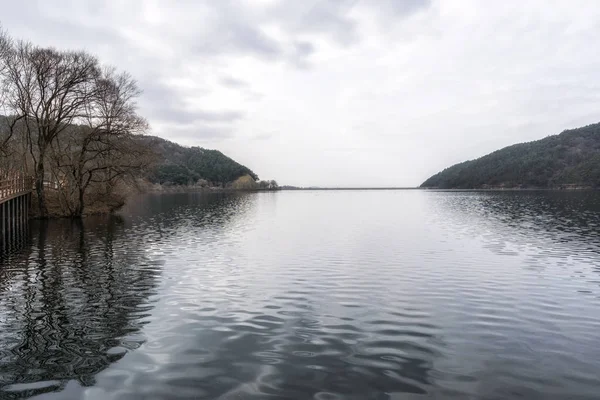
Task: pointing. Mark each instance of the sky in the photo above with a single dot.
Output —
(340, 93)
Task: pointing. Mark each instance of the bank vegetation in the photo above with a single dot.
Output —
(570, 160)
(72, 123)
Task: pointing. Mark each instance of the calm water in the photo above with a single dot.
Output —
(310, 295)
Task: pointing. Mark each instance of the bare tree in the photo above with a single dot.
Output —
(90, 167)
(103, 150)
(5, 47)
(11, 149)
(76, 121)
(48, 90)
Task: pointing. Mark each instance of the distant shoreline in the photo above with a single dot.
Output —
(346, 188)
(454, 189)
(532, 189)
(184, 189)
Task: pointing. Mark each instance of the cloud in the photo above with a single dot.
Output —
(403, 7)
(237, 37)
(359, 92)
(176, 115)
(304, 48)
(173, 109)
(231, 82)
(325, 16)
(263, 136)
(197, 134)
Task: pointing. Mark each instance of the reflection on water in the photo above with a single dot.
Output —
(325, 295)
(71, 304)
(531, 216)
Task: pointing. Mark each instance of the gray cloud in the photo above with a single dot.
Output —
(218, 116)
(331, 16)
(198, 133)
(175, 115)
(328, 17)
(231, 82)
(161, 94)
(408, 86)
(238, 37)
(304, 49)
(212, 28)
(403, 7)
(170, 114)
(301, 54)
(165, 104)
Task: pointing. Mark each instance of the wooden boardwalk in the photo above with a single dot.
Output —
(14, 187)
(15, 201)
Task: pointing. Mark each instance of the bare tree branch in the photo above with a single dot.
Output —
(76, 118)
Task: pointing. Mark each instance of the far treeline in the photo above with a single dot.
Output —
(195, 166)
(570, 160)
(72, 123)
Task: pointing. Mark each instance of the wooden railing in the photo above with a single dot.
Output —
(12, 187)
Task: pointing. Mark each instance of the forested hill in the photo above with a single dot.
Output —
(174, 164)
(570, 159)
(179, 165)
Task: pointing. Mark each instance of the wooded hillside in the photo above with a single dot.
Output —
(179, 165)
(570, 159)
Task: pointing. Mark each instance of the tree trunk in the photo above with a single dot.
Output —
(39, 188)
(80, 204)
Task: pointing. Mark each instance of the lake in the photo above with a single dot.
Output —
(309, 295)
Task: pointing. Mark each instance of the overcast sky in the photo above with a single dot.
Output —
(341, 92)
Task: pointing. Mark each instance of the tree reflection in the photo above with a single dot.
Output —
(72, 303)
(538, 218)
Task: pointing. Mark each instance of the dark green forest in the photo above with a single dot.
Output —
(570, 159)
(179, 165)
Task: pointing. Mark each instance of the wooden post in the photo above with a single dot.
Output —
(21, 222)
(13, 206)
(5, 227)
(17, 221)
(15, 202)
(2, 229)
(10, 223)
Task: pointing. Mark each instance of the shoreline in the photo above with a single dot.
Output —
(191, 189)
(540, 189)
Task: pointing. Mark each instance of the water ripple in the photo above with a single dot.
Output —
(300, 295)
